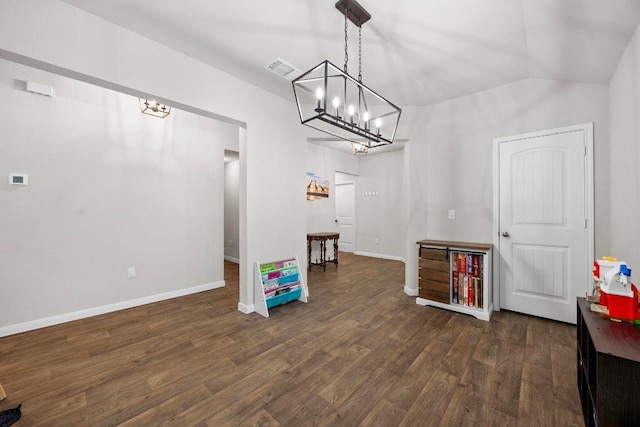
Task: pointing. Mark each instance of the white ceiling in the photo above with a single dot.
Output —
(415, 52)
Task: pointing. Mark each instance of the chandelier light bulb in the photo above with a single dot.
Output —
(336, 104)
(365, 117)
(351, 110)
(378, 123)
(319, 95)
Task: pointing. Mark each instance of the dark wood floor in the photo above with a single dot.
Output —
(361, 352)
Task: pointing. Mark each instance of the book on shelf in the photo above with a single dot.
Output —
(462, 263)
(466, 277)
(475, 265)
(455, 288)
(465, 289)
(476, 292)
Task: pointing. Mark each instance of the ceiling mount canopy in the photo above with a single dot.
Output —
(354, 11)
(332, 101)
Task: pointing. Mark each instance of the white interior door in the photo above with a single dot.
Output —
(544, 192)
(346, 215)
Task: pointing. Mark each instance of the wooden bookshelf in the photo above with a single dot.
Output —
(608, 369)
(456, 276)
(277, 283)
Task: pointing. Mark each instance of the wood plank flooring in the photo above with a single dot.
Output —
(361, 352)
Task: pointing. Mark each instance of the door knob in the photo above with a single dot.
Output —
(505, 234)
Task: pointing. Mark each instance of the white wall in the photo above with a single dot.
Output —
(381, 219)
(321, 213)
(342, 178)
(56, 35)
(231, 210)
(624, 196)
(450, 164)
(109, 188)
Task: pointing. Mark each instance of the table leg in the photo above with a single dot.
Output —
(335, 251)
(323, 257)
(309, 254)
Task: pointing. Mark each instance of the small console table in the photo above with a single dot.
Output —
(323, 237)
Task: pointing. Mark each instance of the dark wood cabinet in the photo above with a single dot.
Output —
(433, 277)
(608, 369)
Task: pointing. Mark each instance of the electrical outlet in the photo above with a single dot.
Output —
(131, 272)
(452, 214)
(230, 243)
(377, 241)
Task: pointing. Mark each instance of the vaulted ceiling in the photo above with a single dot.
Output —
(415, 52)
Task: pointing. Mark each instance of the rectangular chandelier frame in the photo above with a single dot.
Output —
(333, 102)
(154, 108)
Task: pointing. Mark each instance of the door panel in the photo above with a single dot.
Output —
(345, 216)
(543, 243)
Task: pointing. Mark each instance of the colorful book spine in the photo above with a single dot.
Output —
(455, 289)
(462, 263)
(465, 289)
(267, 267)
(476, 292)
(475, 269)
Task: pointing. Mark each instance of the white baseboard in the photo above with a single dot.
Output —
(230, 259)
(246, 309)
(410, 291)
(109, 308)
(370, 254)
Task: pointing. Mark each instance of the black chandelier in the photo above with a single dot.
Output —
(332, 101)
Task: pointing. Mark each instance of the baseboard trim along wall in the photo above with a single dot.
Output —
(410, 292)
(109, 308)
(391, 257)
(230, 259)
(246, 309)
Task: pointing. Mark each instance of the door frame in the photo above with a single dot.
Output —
(355, 208)
(587, 128)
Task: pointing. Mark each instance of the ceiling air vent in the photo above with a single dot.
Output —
(283, 69)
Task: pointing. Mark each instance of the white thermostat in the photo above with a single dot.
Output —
(18, 179)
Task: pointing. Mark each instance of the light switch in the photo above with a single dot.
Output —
(452, 214)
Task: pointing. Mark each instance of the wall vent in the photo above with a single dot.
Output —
(283, 69)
